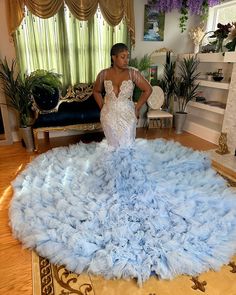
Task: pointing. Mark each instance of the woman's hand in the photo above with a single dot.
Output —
(137, 110)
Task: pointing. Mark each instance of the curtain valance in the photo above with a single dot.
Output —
(113, 11)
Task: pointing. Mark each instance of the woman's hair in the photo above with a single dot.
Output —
(116, 49)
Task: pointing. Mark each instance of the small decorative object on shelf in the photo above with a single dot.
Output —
(196, 34)
(209, 76)
(222, 147)
(200, 97)
(218, 76)
(219, 44)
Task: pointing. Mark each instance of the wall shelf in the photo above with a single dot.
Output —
(203, 128)
(230, 56)
(206, 123)
(205, 120)
(213, 84)
(206, 107)
(212, 57)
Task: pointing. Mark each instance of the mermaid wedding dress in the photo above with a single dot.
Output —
(118, 113)
(125, 208)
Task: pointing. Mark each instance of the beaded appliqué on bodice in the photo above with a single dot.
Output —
(118, 114)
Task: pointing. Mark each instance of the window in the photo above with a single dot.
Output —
(222, 13)
(76, 49)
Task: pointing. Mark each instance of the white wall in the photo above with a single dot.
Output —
(173, 38)
(7, 50)
(6, 42)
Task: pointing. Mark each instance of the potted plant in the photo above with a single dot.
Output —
(18, 93)
(221, 34)
(45, 88)
(185, 89)
(143, 65)
(167, 83)
(231, 40)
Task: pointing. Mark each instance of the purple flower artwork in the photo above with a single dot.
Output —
(185, 7)
(194, 6)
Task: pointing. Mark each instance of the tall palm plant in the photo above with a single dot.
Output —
(167, 83)
(186, 85)
(17, 90)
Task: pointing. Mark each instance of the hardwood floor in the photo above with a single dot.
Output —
(15, 271)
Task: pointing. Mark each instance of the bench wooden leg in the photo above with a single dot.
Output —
(46, 136)
(36, 143)
(147, 124)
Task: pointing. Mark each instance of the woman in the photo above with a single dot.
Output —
(126, 209)
(118, 113)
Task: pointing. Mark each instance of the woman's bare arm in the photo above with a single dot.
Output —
(97, 90)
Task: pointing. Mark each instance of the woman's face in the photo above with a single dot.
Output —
(121, 60)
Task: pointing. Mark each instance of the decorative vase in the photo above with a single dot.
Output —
(219, 45)
(196, 48)
(222, 147)
(209, 77)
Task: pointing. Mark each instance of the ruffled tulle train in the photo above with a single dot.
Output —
(155, 208)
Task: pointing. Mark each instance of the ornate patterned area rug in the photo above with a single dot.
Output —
(49, 279)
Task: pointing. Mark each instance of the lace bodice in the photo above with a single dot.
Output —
(118, 113)
(126, 90)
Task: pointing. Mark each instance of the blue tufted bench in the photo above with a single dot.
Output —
(77, 110)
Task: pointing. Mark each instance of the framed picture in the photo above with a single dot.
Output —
(153, 72)
(153, 24)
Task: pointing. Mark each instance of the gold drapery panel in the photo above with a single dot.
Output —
(43, 8)
(15, 14)
(113, 11)
(129, 17)
(82, 9)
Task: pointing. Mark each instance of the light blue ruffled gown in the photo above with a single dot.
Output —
(125, 208)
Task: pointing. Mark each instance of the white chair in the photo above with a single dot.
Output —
(155, 114)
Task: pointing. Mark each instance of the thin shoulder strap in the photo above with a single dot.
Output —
(134, 74)
(130, 74)
(102, 75)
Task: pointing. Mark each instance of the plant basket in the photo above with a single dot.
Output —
(179, 120)
(27, 138)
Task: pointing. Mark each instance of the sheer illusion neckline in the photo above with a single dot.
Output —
(120, 88)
